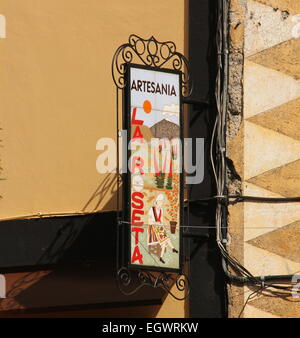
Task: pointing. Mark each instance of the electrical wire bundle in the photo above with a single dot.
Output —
(218, 147)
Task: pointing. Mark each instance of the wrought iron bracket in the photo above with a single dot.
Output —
(204, 237)
(195, 102)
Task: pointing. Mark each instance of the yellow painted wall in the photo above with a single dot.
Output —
(57, 97)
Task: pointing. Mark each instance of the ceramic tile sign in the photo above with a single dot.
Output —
(154, 191)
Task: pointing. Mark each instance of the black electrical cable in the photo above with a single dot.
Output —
(244, 198)
(259, 279)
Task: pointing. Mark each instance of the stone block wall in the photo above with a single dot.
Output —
(263, 141)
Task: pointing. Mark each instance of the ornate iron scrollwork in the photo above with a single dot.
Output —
(161, 280)
(150, 53)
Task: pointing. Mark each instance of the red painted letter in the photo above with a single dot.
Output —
(137, 256)
(133, 120)
(137, 162)
(134, 217)
(137, 200)
(137, 231)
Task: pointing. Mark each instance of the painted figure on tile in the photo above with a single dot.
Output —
(157, 233)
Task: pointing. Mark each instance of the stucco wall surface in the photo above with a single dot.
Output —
(58, 97)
